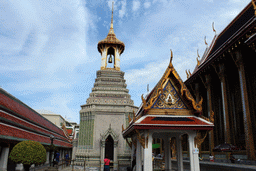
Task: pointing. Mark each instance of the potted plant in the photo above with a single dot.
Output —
(28, 153)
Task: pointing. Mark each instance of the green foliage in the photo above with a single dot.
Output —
(28, 152)
(51, 147)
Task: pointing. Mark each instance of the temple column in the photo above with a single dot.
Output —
(4, 158)
(250, 150)
(147, 162)
(102, 151)
(132, 152)
(138, 156)
(167, 153)
(207, 83)
(47, 157)
(117, 59)
(115, 164)
(179, 153)
(103, 59)
(193, 152)
(221, 73)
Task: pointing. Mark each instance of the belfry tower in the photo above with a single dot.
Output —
(110, 48)
(106, 110)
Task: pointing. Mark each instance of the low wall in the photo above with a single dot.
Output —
(213, 166)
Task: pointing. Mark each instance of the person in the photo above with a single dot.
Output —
(211, 157)
(106, 163)
(57, 158)
(54, 159)
(232, 158)
(67, 159)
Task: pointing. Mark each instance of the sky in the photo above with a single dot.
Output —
(48, 48)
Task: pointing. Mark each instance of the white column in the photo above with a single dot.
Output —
(4, 158)
(102, 149)
(138, 156)
(117, 59)
(167, 153)
(132, 153)
(103, 59)
(179, 153)
(115, 157)
(193, 153)
(147, 165)
(47, 157)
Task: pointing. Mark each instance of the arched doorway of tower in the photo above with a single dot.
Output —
(109, 147)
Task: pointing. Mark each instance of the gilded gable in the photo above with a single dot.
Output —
(169, 99)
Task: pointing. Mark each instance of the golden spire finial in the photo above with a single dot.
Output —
(111, 30)
(111, 25)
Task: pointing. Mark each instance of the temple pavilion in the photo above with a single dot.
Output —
(168, 111)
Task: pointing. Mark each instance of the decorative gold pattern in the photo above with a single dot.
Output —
(199, 139)
(188, 73)
(140, 138)
(169, 99)
(212, 117)
(148, 103)
(129, 143)
(254, 5)
(129, 118)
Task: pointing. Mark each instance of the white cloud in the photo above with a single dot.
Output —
(122, 11)
(147, 4)
(135, 5)
(152, 72)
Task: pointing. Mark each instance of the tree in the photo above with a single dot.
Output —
(28, 153)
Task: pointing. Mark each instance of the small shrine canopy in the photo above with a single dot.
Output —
(169, 110)
(170, 122)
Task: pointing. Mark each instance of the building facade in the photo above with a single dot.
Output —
(106, 110)
(225, 78)
(19, 122)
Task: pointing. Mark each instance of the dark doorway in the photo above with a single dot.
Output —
(109, 147)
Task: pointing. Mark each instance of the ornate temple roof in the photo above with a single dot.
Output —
(172, 81)
(111, 38)
(169, 105)
(228, 38)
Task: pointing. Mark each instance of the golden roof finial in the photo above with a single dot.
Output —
(198, 62)
(188, 75)
(171, 56)
(205, 40)
(213, 28)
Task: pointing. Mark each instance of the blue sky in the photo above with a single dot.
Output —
(48, 48)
